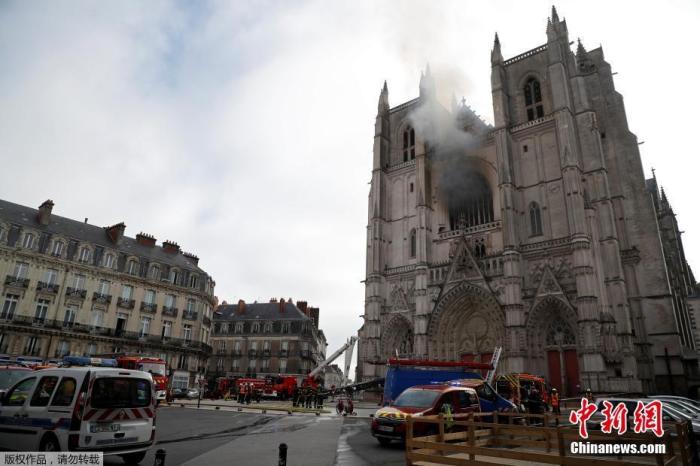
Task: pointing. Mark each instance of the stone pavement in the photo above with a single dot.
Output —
(311, 441)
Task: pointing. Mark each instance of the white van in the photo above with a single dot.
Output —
(80, 409)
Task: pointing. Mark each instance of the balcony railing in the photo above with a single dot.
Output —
(149, 308)
(206, 321)
(237, 353)
(252, 353)
(189, 315)
(171, 311)
(101, 298)
(125, 303)
(305, 353)
(75, 293)
(266, 353)
(47, 287)
(284, 353)
(17, 282)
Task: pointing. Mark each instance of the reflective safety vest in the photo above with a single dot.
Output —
(555, 399)
(447, 414)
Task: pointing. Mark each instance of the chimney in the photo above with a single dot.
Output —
(282, 303)
(273, 300)
(144, 239)
(241, 307)
(192, 257)
(45, 212)
(302, 305)
(314, 315)
(224, 303)
(171, 247)
(115, 232)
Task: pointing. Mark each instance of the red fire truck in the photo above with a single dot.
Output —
(139, 362)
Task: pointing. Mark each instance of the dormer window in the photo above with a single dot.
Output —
(154, 273)
(174, 276)
(28, 241)
(533, 99)
(57, 248)
(133, 267)
(193, 281)
(84, 254)
(409, 144)
(109, 261)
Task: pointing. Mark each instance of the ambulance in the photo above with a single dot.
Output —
(87, 405)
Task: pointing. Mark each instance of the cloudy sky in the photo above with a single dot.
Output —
(243, 131)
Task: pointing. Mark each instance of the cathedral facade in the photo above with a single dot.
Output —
(539, 234)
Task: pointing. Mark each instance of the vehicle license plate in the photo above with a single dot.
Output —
(386, 428)
(97, 428)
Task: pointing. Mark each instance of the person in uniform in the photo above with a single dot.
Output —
(554, 400)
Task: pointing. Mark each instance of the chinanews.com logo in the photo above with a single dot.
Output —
(646, 418)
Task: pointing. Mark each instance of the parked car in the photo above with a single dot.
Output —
(389, 422)
(178, 393)
(193, 393)
(88, 408)
(694, 403)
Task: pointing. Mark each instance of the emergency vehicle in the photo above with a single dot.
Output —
(88, 405)
(513, 385)
(389, 422)
(155, 366)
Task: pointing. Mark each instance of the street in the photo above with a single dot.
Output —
(206, 436)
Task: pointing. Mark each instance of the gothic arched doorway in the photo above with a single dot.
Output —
(467, 325)
(552, 337)
(397, 338)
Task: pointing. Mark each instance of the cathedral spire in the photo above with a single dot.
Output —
(383, 105)
(555, 16)
(427, 83)
(580, 50)
(496, 56)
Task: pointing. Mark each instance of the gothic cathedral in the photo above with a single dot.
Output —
(539, 234)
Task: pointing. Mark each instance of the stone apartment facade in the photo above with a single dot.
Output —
(539, 234)
(71, 288)
(260, 339)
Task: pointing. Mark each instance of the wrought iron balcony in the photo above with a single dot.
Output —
(47, 287)
(101, 298)
(266, 353)
(75, 293)
(16, 282)
(189, 315)
(252, 353)
(149, 308)
(284, 353)
(171, 312)
(125, 303)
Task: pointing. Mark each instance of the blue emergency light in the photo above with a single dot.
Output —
(87, 361)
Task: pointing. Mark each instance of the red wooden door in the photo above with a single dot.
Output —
(571, 372)
(554, 366)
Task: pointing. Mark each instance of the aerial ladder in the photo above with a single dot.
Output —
(348, 348)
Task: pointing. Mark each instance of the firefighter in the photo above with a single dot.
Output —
(554, 400)
(241, 393)
(589, 396)
(295, 397)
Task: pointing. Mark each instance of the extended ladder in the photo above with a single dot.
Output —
(494, 364)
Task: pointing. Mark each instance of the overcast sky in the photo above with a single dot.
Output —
(243, 131)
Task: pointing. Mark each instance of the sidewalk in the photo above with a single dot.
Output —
(310, 440)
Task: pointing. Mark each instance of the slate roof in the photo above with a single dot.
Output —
(259, 311)
(72, 229)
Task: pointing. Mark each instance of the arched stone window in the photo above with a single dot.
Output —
(409, 144)
(535, 219)
(470, 202)
(533, 99)
(413, 243)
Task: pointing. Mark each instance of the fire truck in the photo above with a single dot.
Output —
(156, 366)
(313, 377)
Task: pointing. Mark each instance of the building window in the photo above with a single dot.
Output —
(255, 327)
(91, 349)
(187, 332)
(50, 276)
(133, 267)
(413, 243)
(239, 327)
(69, 316)
(237, 347)
(253, 345)
(155, 272)
(32, 348)
(103, 287)
(535, 219)
(193, 281)
(149, 297)
(224, 328)
(169, 300)
(174, 276)
(222, 346)
(533, 99)
(42, 307)
(473, 206)
(127, 292)
(182, 362)
(220, 365)
(167, 329)
(109, 261)
(84, 254)
(283, 366)
(145, 326)
(79, 282)
(264, 365)
(28, 241)
(63, 349)
(190, 305)
(252, 365)
(268, 327)
(286, 327)
(57, 249)
(2, 233)
(9, 306)
(96, 318)
(235, 365)
(409, 144)
(410, 188)
(21, 270)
